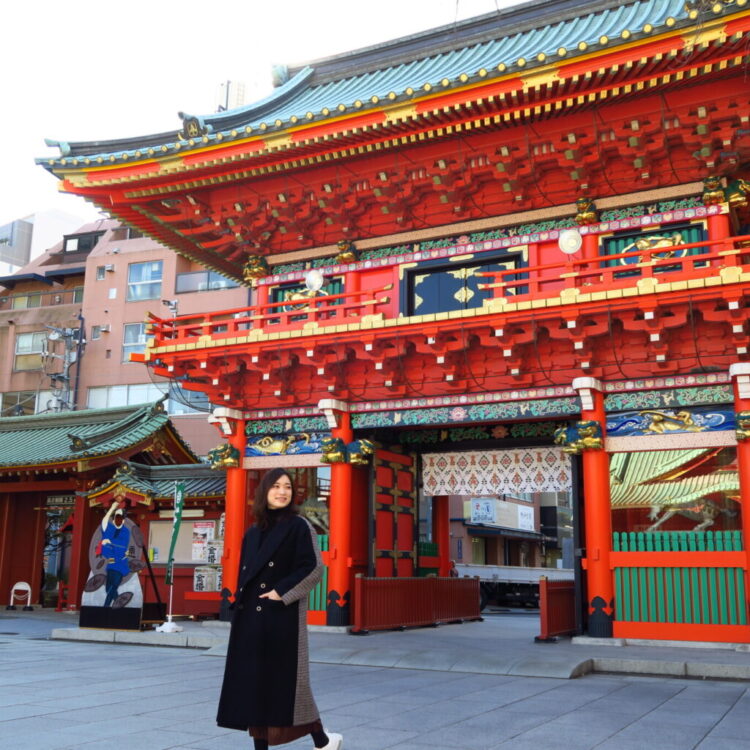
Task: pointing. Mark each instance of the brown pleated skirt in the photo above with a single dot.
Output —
(282, 735)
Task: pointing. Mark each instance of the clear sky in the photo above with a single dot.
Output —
(83, 70)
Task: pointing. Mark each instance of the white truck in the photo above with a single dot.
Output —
(511, 584)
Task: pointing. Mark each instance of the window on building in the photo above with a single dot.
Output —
(144, 280)
(283, 292)
(182, 401)
(96, 332)
(17, 403)
(133, 339)
(25, 301)
(660, 238)
(29, 349)
(179, 402)
(125, 233)
(101, 273)
(436, 286)
(78, 294)
(81, 243)
(202, 281)
(105, 396)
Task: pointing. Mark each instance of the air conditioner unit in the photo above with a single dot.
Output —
(109, 267)
(106, 328)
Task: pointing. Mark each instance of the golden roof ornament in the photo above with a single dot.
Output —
(256, 267)
(586, 211)
(347, 252)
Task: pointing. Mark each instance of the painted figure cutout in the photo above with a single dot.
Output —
(116, 556)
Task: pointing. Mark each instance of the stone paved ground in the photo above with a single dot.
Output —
(57, 694)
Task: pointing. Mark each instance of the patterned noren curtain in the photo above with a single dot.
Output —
(505, 472)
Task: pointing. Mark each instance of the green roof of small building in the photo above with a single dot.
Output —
(60, 438)
(158, 482)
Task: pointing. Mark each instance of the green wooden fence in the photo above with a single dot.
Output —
(318, 596)
(677, 541)
(680, 594)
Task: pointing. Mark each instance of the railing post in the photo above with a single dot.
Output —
(359, 603)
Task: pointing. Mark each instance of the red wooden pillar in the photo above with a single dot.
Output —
(232, 426)
(590, 246)
(740, 373)
(718, 227)
(339, 519)
(598, 516)
(79, 551)
(441, 532)
(234, 507)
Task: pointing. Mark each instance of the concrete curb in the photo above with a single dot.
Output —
(565, 664)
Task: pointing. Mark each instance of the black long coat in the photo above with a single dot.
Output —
(266, 677)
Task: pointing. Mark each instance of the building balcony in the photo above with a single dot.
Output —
(28, 300)
(471, 318)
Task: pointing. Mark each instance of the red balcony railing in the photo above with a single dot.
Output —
(622, 270)
(627, 270)
(327, 310)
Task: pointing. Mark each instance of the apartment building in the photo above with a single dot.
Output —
(71, 318)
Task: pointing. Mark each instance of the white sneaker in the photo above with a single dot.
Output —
(335, 742)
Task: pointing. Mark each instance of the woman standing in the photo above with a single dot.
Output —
(266, 688)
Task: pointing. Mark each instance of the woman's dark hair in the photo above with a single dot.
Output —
(260, 504)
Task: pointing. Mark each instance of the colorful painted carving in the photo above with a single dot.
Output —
(583, 436)
(661, 422)
(347, 252)
(224, 456)
(713, 193)
(737, 192)
(742, 432)
(256, 267)
(654, 242)
(360, 451)
(333, 450)
(278, 445)
(586, 212)
(357, 453)
(705, 512)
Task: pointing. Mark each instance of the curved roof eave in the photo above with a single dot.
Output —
(297, 100)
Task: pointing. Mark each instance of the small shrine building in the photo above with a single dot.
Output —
(502, 266)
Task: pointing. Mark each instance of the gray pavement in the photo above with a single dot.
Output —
(71, 694)
(502, 645)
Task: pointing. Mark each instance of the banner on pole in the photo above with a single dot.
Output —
(179, 500)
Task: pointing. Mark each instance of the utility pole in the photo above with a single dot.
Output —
(72, 340)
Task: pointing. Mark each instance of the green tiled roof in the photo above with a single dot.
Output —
(48, 439)
(515, 39)
(158, 482)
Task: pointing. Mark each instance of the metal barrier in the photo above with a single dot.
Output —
(388, 603)
(557, 609)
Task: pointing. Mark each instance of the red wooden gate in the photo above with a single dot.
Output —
(395, 511)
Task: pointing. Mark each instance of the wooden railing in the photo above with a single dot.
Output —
(616, 272)
(650, 266)
(388, 603)
(327, 310)
(557, 613)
